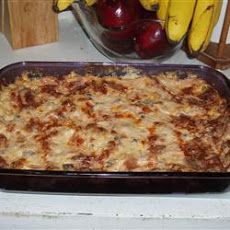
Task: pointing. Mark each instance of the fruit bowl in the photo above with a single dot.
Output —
(134, 37)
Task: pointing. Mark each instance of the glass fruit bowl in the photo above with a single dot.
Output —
(141, 40)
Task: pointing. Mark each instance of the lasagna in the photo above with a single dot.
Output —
(159, 123)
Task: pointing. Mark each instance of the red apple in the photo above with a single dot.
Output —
(150, 40)
(116, 13)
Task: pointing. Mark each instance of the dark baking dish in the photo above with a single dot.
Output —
(114, 182)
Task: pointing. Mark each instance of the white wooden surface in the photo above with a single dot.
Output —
(52, 211)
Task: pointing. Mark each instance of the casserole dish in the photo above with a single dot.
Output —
(113, 182)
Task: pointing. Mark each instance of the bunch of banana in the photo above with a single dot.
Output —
(197, 18)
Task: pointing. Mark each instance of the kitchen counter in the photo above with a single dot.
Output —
(33, 210)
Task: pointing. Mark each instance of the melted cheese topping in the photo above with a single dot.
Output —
(75, 123)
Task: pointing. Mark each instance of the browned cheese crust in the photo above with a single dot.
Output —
(75, 123)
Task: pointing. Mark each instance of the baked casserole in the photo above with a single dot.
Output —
(113, 124)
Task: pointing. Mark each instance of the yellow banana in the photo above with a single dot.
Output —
(63, 4)
(163, 10)
(205, 18)
(180, 13)
(150, 4)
